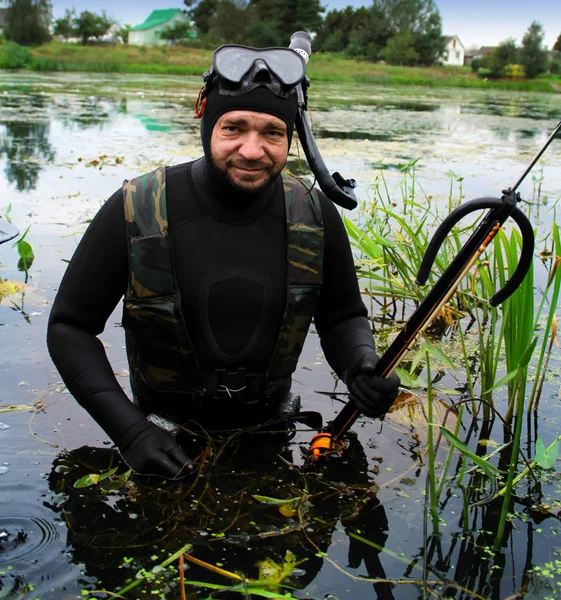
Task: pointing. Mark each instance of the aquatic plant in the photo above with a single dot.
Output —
(391, 242)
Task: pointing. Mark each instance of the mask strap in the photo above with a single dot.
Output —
(200, 103)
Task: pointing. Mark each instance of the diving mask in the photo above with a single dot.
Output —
(240, 69)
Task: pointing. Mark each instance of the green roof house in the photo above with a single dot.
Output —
(148, 33)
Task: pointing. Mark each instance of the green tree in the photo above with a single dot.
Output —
(557, 45)
(228, 23)
(272, 22)
(421, 18)
(416, 26)
(201, 12)
(369, 35)
(334, 33)
(123, 33)
(180, 30)
(28, 21)
(533, 54)
(91, 25)
(506, 53)
(400, 49)
(65, 25)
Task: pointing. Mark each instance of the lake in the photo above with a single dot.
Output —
(67, 141)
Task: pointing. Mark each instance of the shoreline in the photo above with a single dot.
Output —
(181, 60)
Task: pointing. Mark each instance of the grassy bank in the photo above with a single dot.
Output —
(57, 56)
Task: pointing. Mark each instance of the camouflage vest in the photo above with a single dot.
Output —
(160, 354)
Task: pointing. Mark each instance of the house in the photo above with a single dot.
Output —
(148, 33)
(469, 57)
(454, 53)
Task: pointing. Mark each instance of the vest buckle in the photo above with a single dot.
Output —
(239, 385)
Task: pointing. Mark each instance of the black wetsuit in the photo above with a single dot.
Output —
(230, 258)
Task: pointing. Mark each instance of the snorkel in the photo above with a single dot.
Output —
(238, 70)
(338, 189)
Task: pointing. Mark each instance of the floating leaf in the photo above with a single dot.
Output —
(116, 482)
(93, 478)
(273, 573)
(7, 288)
(488, 443)
(546, 457)
(87, 480)
(288, 510)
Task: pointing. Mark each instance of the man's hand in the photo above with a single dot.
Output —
(149, 450)
(372, 395)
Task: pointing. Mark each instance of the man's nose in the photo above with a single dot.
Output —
(252, 146)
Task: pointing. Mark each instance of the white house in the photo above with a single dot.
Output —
(454, 54)
(148, 33)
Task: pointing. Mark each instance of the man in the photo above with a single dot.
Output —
(223, 263)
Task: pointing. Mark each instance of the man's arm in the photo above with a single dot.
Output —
(93, 284)
(342, 324)
(341, 316)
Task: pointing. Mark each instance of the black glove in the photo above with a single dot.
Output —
(149, 450)
(372, 395)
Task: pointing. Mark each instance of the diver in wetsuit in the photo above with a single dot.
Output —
(223, 262)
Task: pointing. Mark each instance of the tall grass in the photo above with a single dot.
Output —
(389, 243)
(182, 60)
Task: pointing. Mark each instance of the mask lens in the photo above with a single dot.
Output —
(234, 62)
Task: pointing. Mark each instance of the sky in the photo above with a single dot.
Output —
(476, 22)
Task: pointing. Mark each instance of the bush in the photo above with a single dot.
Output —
(14, 56)
(475, 65)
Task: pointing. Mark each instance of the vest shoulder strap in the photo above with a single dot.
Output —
(145, 204)
(150, 261)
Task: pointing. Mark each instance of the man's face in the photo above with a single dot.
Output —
(249, 148)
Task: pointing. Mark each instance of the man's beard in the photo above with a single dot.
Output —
(225, 175)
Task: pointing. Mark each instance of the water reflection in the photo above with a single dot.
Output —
(222, 517)
(25, 146)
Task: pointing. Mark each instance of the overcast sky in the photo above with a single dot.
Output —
(476, 22)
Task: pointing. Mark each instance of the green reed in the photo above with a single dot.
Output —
(390, 239)
(553, 288)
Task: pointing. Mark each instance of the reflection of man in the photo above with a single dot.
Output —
(226, 523)
(223, 263)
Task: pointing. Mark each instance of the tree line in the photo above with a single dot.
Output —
(400, 32)
(530, 59)
(403, 32)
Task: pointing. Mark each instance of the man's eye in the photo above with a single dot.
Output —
(275, 133)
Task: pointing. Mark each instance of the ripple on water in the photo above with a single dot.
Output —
(23, 538)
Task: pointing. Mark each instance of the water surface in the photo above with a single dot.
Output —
(67, 141)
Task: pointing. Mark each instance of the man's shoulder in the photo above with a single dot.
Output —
(178, 171)
(171, 171)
